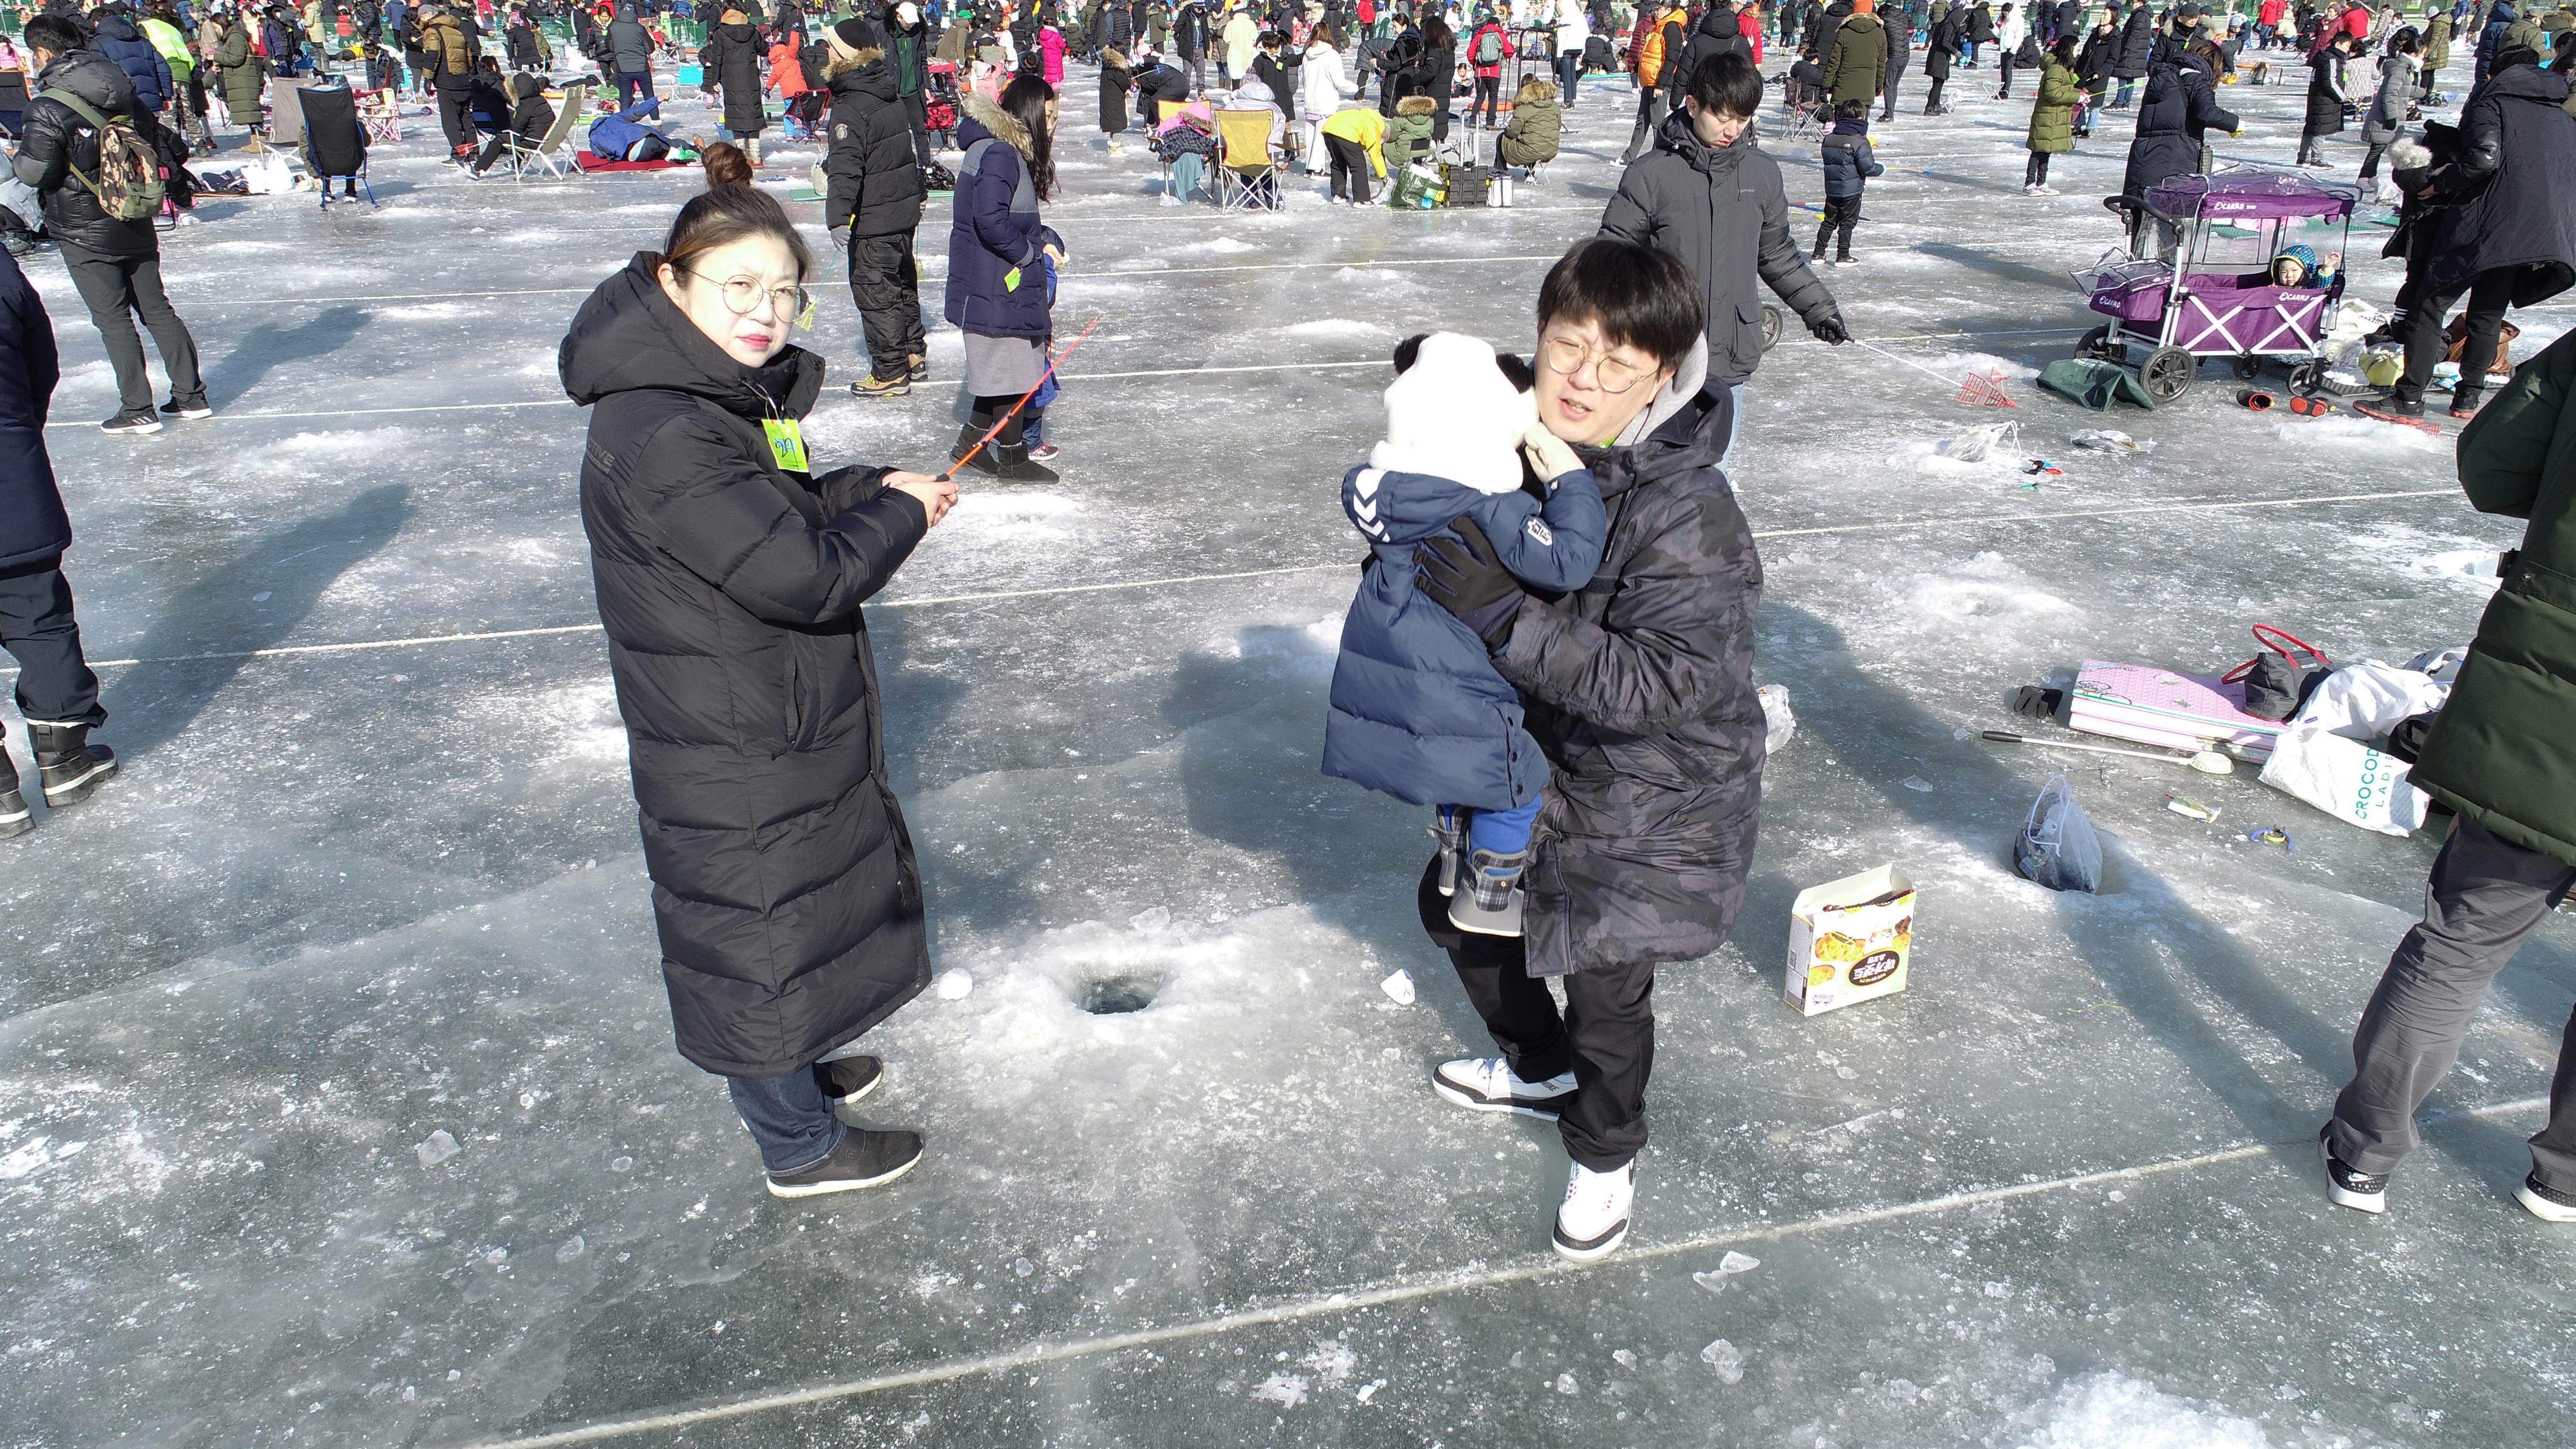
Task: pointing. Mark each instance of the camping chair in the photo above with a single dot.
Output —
(550, 156)
(381, 112)
(690, 83)
(335, 146)
(285, 118)
(1247, 171)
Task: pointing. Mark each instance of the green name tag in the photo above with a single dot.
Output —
(1011, 280)
(786, 443)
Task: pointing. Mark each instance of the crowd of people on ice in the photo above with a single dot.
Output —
(1552, 644)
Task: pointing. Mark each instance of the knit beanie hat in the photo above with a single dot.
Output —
(856, 34)
(1453, 414)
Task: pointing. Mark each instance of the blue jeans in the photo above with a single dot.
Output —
(2126, 86)
(628, 83)
(788, 1118)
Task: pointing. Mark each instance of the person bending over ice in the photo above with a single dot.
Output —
(1418, 711)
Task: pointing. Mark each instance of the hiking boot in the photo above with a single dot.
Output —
(1017, 467)
(920, 367)
(846, 1079)
(875, 386)
(1451, 833)
(2389, 407)
(15, 817)
(865, 1158)
(69, 765)
(187, 407)
(967, 437)
(1488, 1084)
(2347, 1188)
(1593, 1220)
(2546, 1203)
(132, 420)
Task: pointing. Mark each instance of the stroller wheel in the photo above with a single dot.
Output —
(2248, 367)
(2305, 376)
(1770, 326)
(2094, 343)
(2167, 373)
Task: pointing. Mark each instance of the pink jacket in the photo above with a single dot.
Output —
(1051, 44)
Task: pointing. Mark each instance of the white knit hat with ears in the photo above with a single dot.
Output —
(1454, 415)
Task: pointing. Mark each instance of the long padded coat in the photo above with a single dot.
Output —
(732, 57)
(2516, 130)
(2180, 102)
(33, 525)
(1639, 687)
(2500, 752)
(995, 284)
(784, 884)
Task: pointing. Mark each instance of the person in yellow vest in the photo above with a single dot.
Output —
(1655, 51)
(1355, 137)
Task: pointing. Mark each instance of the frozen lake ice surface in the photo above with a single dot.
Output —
(337, 1097)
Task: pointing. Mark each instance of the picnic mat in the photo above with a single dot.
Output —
(2161, 707)
(593, 161)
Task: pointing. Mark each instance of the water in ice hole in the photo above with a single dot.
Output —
(1117, 994)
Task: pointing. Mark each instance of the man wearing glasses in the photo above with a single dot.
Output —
(1639, 689)
(1710, 196)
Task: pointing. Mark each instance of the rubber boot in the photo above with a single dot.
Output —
(751, 150)
(1016, 466)
(967, 437)
(70, 766)
(15, 817)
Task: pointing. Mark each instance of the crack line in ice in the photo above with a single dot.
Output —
(1454, 1281)
(2214, 506)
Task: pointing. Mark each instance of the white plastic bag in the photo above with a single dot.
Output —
(2324, 755)
(2346, 779)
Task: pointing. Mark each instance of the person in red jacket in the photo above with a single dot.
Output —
(1487, 49)
(2267, 22)
(1749, 21)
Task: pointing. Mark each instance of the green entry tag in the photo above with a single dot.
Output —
(1011, 280)
(786, 443)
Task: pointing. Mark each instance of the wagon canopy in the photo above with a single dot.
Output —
(2251, 196)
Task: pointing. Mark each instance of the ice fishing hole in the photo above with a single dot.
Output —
(1117, 994)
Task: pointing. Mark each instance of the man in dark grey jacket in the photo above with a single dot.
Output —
(1639, 689)
(630, 56)
(1710, 196)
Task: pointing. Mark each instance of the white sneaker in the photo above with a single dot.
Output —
(1487, 1084)
(2044, 189)
(1593, 1220)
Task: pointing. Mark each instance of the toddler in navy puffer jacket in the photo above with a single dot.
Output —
(1418, 711)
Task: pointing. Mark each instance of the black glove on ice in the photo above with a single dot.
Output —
(1829, 329)
(1462, 575)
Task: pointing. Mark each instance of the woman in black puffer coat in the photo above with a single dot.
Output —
(732, 56)
(2181, 103)
(730, 576)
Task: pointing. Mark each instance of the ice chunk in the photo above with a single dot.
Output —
(1566, 1385)
(573, 1247)
(621, 1164)
(1285, 1390)
(1624, 1357)
(954, 985)
(1916, 782)
(1726, 1358)
(1735, 1262)
(1398, 988)
(438, 1147)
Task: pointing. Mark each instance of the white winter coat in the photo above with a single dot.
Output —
(1323, 84)
(2009, 33)
(1572, 32)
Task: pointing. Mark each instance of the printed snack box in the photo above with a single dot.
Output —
(1849, 939)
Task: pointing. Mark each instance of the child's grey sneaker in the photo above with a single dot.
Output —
(1491, 903)
(2546, 1203)
(1451, 833)
(1488, 1084)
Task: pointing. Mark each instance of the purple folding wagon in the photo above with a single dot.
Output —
(2182, 292)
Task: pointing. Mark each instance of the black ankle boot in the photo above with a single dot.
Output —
(15, 818)
(967, 437)
(69, 764)
(1015, 466)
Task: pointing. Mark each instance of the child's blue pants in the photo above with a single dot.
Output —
(1503, 832)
